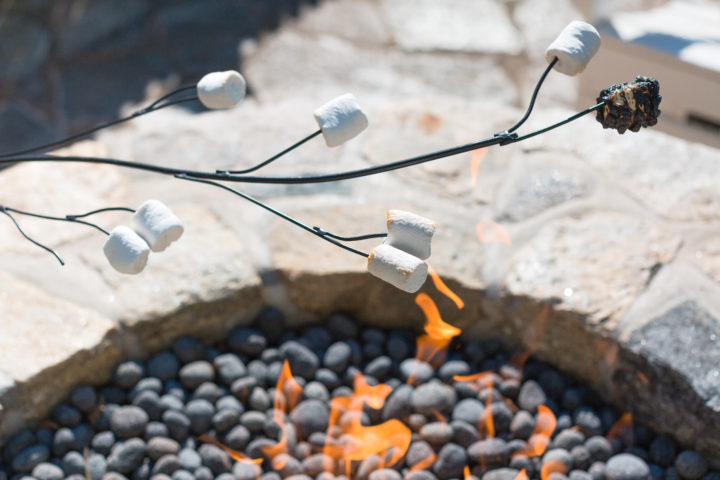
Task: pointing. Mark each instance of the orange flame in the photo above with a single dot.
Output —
(444, 289)
(522, 475)
(475, 162)
(287, 394)
(373, 396)
(475, 377)
(540, 438)
(425, 463)
(487, 414)
(466, 472)
(551, 467)
(437, 333)
(489, 231)
(236, 455)
(623, 429)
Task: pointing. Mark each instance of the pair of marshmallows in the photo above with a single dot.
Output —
(574, 48)
(399, 260)
(154, 227)
(221, 89)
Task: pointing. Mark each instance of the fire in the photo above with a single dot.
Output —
(236, 455)
(466, 472)
(522, 475)
(487, 414)
(552, 467)
(425, 463)
(374, 396)
(540, 438)
(475, 162)
(489, 231)
(287, 394)
(444, 289)
(623, 429)
(437, 333)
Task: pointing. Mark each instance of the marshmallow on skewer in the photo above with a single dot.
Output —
(410, 232)
(126, 251)
(221, 89)
(398, 268)
(341, 119)
(157, 225)
(574, 48)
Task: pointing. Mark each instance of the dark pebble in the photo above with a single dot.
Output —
(229, 368)
(303, 361)
(84, 398)
(567, 439)
(563, 421)
(147, 384)
(247, 341)
(208, 391)
(553, 383)
(160, 446)
(242, 387)
(97, 466)
(398, 346)
(436, 433)
(317, 338)
(287, 465)
(433, 397)
(203, 473)
(691, 465)
(238, 437)
(185, 475)
(19, 442)
(47, 471)
(579, 475)
(522, 424)
(175, 388)
(625, 466)
(269, 355)
(316, 464)
(450, 462)
(453, 368)
(73, 463)
(156, 429)
(657, 473)
(63, 441)
(246, 471)
(468, 410)
(372, 350)
(164, 366)
(102, 442)
(501, 474)
(143, 471)
(188, 349)
(415, 371)
(558, 457)
(66, 415)
(385, 474)
(113, 394)
(167, 464)
(200, 413)
(150, 402)
(418, 452)
(420, 475)
(464, 434)
(178, 424)
(228, 402)
(215, 458)
(126, 456)
(581, 457)
(380, 367)
(113, 476)
(310, 416)
(195, 373)
(531, 395)
(662, 450)
(128, 421)
(492, 452)
(128, 374)
(190, 459)
(225, 419)
(341, 326)
(597, 471)
(328, 378)
(29, 457)
(571, 399)
(599, 448)
(712, 475)
(671, 474)
(225, 476)
(398, 403)
(271, 323)
(502, 416)
(588, 421)
(259, 399)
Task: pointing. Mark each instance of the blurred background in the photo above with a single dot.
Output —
(66, 65)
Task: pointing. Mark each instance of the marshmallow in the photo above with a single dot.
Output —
(341, 119)
(410, 232)
(398, 268)
(221, 89)
(574, 48)
(126, 251)
(157, 225)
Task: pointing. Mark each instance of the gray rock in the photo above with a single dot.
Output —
(468, 410)
(63, 441)
(464, 434)
(398, 404)
(579, 475)
(167, 464)
(380, 367)
(178, 424)
(559, 459)
(102, 442)
(73, 463)
(151, 384)
(398, 347)
(303, 362)
(97, 466)
(230, 368)
(436, 433)
(599, 447)
(522, 424)
(188, 349)
(431, 397)
(200, 413)
(626, 466)
(662, 450)
(164, 366)
(238, 437)
(246, 471)
(247, 341)
(568, 439)
(66, 415)
(502, 474)
(215, 458)
(242, 387)
(492, 452)
(420, 475)
(450, 462)
(150, 402)
(287, 465)
(453, 368)
(597, 471)
(190, 459)
(126, 456)
(581, 457)
(252, 420)
(531, 395)
(588, 420)
(156, 429)
(47, 471)
(316, 338)
(185, 475)
(418, 452)
(385, 474)
(225, 419)
(19, 442)
(29, 458)
(417, 371)
(310, 416)
(316, 390)
(316, 464)
(502, 416)
(84, 398)
(195, 373)
(128, 421)
(161, 446)
(259, 399)
(690, 464)
(128, 373)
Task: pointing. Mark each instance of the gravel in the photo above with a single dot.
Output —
(145, 424)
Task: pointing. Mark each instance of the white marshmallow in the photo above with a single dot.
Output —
(574, 48)
(221, 89)
(410, 232)
(157, 225)
(398, 268)
(341, 119)
(126, 251)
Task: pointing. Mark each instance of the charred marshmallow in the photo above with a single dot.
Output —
(574, 48)
(126, 251)
(157, 225)
(221, 89)
(410, 232)
(341, 119)
(399, 269)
